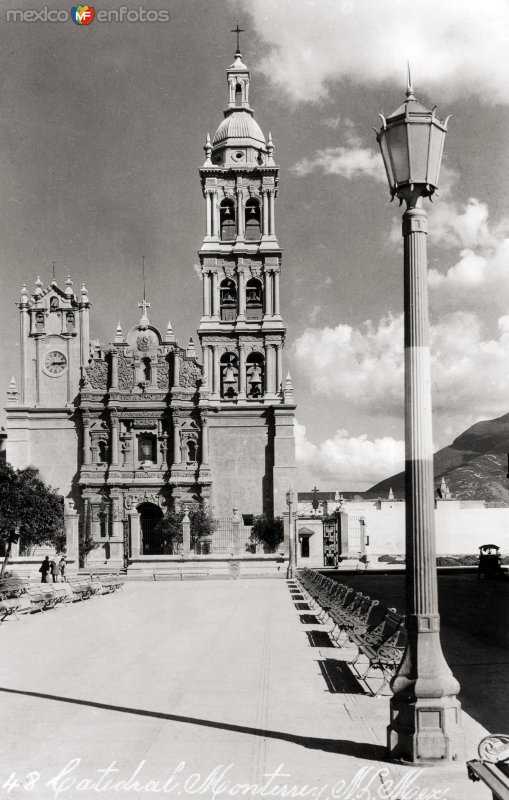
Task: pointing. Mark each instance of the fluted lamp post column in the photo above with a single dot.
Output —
(291, 572)
(425, 721)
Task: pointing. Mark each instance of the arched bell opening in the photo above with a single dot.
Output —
(229, 376)
(254, 299)
(255, 373)
(153, 541)
(228, 299)
(227, 220)
(252, 220)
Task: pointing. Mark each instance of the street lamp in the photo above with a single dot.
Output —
(292, 545)
(425, 723)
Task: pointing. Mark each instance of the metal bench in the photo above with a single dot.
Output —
(492, 766)
(383, 646)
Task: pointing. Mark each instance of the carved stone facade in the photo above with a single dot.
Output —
(129, 429)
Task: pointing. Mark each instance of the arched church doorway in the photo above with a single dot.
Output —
(152, 539)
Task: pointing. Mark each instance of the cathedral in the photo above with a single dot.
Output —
(128, 429)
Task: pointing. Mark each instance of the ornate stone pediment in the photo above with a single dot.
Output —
(190, 374)
(97, 375)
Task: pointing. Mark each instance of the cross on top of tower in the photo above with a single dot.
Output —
(238, 31)
(144, 305)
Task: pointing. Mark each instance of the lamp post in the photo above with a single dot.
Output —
(425, 723)
(292, 547)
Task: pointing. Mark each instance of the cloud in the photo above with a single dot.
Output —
(346, 459)
(363, 368)
(314, 42)
(350, 162)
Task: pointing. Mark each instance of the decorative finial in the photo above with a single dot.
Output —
(270, 150)
(190, 351)
(68, 286)
(238, 31)
(288, 390)
(84, 294)
(409, 87)
(391, 494)
(12, 393)
(170, 336)
(53, 265)
(38, 287)
(144, 305)
(24, 294)
(208, 151)
(119, 336)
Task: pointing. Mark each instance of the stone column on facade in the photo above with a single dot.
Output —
(216, 386)
(272, 226)
(177, 453)
(215, 295)
(241, 315)
(269, 369)
(208, 204)
(68, 371)
(115, 454)
(236, 532)
(268, 292)
(176, 370)
(206, 294)
(114, 369)
(265, 218)
(186, 533)
(204, 439)
(24, 334)
(37, 371)
(215, 215)
(87, 454)
(277, 309)
(240, 214)
(206, 369)
(279, 367)
(84, 334)
(242, 371)
(71, 525)
(425, 712)
(116, 518)
(135, 529)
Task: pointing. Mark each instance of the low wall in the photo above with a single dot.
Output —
(460, 528)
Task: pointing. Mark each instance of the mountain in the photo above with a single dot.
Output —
(474, 465)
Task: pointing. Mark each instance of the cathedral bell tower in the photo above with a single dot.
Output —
(241, 330)
(248, 400)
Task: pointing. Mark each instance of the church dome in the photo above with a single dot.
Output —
(241, 127)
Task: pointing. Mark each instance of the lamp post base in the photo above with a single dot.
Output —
(426, 732)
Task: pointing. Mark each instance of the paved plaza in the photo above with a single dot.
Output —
(196, 689)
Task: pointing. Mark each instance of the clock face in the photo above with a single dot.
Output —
(55, 362)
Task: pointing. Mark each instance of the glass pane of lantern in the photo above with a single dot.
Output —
(435, 157)
(398, 146)
(419, 139)
(387, 162)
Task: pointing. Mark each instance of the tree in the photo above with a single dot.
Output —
(268, 530)
(30, 509)
(170, 527)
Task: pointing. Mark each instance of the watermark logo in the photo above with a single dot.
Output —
(82, 15)
(85, 14)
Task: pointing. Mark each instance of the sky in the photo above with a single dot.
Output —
(102, 130)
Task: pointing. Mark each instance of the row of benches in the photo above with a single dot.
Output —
(19, 596)
(377, 632)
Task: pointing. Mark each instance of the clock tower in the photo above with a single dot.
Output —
(54, 339)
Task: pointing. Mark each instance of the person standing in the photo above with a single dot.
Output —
(44, 569)
(61, 568)
(54, 571)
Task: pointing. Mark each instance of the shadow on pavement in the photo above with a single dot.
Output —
(319, 639)
(370, 752)
(339, 678)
